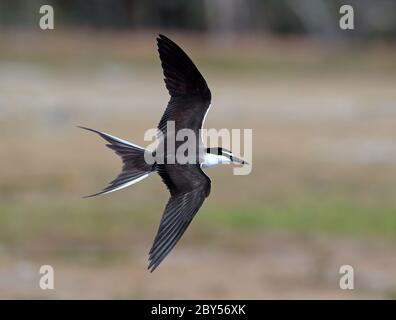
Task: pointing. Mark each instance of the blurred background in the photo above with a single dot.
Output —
(322, 105)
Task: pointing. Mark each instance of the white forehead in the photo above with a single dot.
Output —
(227, 152)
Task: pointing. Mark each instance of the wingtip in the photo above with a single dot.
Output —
(164, 39)
(159, 37)
(152, 266)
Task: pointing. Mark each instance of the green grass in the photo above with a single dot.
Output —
(329, 215)
(104, 220)
(24, 222)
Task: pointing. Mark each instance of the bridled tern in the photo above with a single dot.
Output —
(187, 183)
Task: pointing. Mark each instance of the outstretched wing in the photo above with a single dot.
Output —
(190, 95)
(187, 184)
(189, 187)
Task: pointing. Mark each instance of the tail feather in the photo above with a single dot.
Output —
(134, 168)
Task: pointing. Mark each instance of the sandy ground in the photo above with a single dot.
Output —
(323, 126)
(277, 265)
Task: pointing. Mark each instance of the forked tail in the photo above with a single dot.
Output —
(134, 168)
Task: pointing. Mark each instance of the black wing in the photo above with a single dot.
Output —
(190, 95)
(189, 187)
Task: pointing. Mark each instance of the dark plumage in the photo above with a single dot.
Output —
(134, 164)
(187, 183)
(190, 95)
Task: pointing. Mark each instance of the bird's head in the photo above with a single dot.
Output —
(227, 155)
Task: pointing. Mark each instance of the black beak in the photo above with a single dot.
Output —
(240, 161)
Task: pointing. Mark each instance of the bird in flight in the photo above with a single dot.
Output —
(187, 183)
